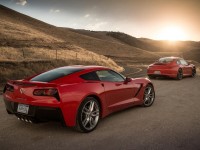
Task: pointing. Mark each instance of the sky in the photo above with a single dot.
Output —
(155, 19)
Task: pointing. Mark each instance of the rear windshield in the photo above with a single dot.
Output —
(165, 60)
(55, 74)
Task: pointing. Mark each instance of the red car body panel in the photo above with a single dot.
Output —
(72, 90)
(169, 69)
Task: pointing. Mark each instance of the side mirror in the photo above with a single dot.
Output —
(127, 80)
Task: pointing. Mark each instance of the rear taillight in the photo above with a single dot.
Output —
(8, 88)
(47, 92)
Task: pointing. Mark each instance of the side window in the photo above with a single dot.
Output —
(183, 62)
(178, 62)
(90, 76)
(109, 75)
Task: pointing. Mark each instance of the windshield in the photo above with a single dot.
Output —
(55, 74)
(165, 60)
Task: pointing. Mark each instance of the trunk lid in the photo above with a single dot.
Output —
(158, 65)
(23, 90)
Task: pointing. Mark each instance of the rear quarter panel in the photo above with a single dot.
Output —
(73, 94)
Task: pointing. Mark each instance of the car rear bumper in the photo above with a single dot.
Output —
(162, 73)
(35, 113)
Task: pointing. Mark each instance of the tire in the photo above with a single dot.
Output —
(8, 112)
(179, 74)
(151, 77)
(88, 115)
(149, 96)
(193, 72)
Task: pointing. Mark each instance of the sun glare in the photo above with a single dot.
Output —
(172, 33)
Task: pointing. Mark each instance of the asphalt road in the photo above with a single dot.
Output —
(173, 122)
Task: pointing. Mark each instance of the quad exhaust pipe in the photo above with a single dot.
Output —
(25, 120)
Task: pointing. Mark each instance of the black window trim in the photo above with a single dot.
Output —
(88, 73)
(33, 78)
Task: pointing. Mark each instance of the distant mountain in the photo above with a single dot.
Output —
(187, 49)
(26, 38)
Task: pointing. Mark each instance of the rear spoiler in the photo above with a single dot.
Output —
(31, 83)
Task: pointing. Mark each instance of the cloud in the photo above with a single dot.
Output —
(21, 2)
(87, 15)
(96, 26)
(55, 10)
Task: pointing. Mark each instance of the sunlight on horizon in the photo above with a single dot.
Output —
(172, 33)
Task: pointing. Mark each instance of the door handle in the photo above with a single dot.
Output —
(102, 84)
(118, 84)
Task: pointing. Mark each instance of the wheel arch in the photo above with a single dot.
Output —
(149, 84)
(98, 100)
(180, 69)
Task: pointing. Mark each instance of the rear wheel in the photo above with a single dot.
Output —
(149, 96)
(193, 72)
(8, 111)
(88, 115)
(151, 77)
(179, 74)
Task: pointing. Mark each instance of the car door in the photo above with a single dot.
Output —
(119, 94)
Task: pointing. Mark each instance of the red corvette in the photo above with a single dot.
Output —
(76, 95)
(173, 67)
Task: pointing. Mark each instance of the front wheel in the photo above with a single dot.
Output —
(151, 77)
(179, 74)
(88, 115)
(193, 72)
(149, 96)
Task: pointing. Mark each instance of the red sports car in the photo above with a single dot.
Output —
(76, 95)
(173, 67)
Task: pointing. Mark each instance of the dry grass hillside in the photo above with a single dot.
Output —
(65, 37)
(25, 40)
(187, 49)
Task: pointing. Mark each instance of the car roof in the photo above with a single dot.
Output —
(172, 57)
(91, 67)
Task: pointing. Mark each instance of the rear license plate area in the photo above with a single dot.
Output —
(22, 108)
(156, 72)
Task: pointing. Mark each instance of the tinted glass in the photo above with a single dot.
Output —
(178, 62)
(109, 75)
(55, 74)
(90, 76)
(165, 60)
(183, 62)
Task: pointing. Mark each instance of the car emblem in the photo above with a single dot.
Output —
(21, 91)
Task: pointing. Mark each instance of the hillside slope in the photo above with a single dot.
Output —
(187, 49)
(25, 38)
(67, 37)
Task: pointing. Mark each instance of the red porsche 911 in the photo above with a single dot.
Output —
(76, 95)
(173, 67)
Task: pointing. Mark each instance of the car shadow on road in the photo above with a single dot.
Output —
(169, 79)
(57, 128)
